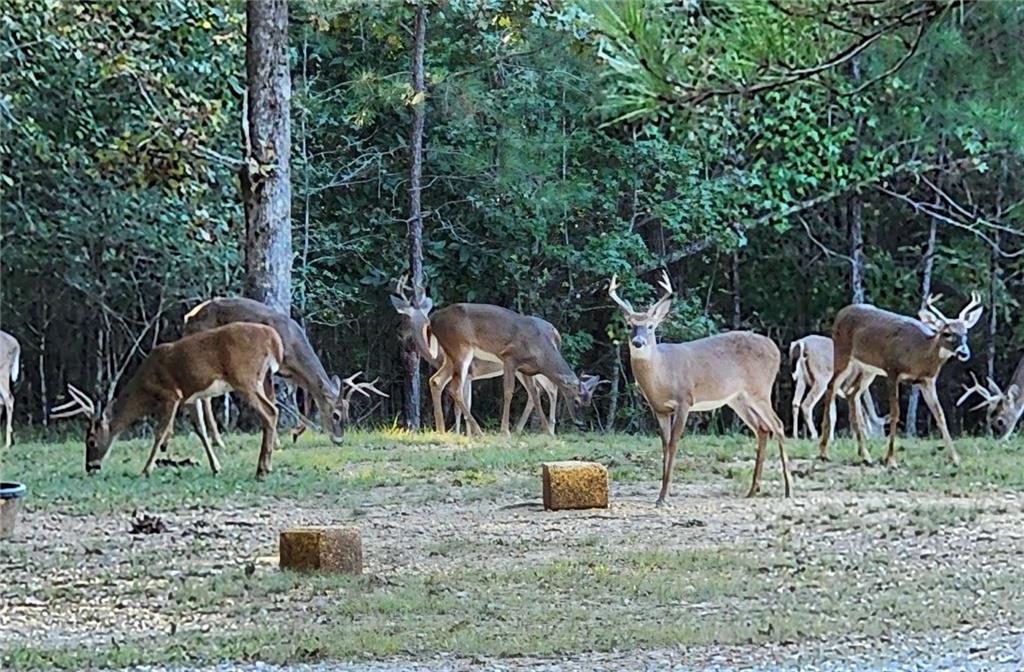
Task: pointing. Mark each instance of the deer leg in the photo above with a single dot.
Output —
(524, 417)
(894, 417)
(853, 400)
(195, 413)
(508, 389)
(799, 393)
(814, 395)
(438, 382)
(531, 391)
(455, 387)
(265, 407)
(8, 400)
(211, 423)
(932, 399)
(840, 373)
(164, 429)
(666, 424)
(553, 401)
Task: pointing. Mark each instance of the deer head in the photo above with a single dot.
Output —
(643, 326)
(341, 414)
(1002, 408)
(98, 435)
(952, 333)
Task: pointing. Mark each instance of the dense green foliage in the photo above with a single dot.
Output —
(564, 142)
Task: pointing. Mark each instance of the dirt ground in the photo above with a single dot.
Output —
(926, 578)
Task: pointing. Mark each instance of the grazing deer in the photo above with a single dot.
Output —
(419, 320)
(871, 342)
(811, 358)
(10, 357)
(735, 369)
(300, 363)
(520, 344)
(1004, 406)
(237, 357)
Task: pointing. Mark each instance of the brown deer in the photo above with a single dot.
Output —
(520, 344)
(300, 364)
(871, 342)
(735, 369)
(418, 317)
(237, 357)
(811, 358)
(10, 358)
(1004, 406)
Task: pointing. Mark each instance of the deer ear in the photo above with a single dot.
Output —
(1012, 392)
(972, 317)
(400, 305)
(661, 310)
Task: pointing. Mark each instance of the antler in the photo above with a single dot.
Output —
(666, 292)
(929, 305)
(401, 288)
(79, 404)
(975, 302)
(361, 388)
(991, 396)
(613, 287)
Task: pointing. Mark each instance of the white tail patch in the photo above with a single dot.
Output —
(275, 365)
(192, 313)
(433, 347)
(16, 367)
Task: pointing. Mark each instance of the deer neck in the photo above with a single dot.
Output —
(129, 405)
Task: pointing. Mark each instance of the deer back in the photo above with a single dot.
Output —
(887, 341)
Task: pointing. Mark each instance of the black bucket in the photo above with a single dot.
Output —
(11, 494)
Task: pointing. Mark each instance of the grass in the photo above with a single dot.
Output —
(793, 574)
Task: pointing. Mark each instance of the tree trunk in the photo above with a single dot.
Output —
(926, 288)
(734, 277)
(266, 178)
(415, 232)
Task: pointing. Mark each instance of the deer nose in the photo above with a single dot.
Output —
(638, 342)
(963, 353)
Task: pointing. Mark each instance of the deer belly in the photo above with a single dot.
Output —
(216, 389)
(486, 356)
(865, 368)
(710, 405)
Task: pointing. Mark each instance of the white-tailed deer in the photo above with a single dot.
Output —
(811, 358)
(871, 342)
(10, 359)
(300, 363)
(735, 369)
(520, 344)
(419, 320)
(238, 357)
(1004, 407)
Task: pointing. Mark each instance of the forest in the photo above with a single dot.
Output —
(779, 159)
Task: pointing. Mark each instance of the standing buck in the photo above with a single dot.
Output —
(10, 357)
(519, 344)
(300, 363)
(871, 342)
(811, 357)
(735, 369)
(419, 320)
(1004, 406)
(238, 357)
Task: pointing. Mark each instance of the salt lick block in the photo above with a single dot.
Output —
(575, 485)
(322, 549)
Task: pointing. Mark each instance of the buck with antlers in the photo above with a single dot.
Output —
(10, 358)
(520, 344)
(419, 321)
(1004, 406)
(811, 358)
(735, 369)
(238, 357)
(332, 395)
(871, 342)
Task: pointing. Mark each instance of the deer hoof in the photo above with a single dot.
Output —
(823, 457)
(661, 503)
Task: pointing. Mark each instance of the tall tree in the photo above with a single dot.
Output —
(415, 221)
(266, 177)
